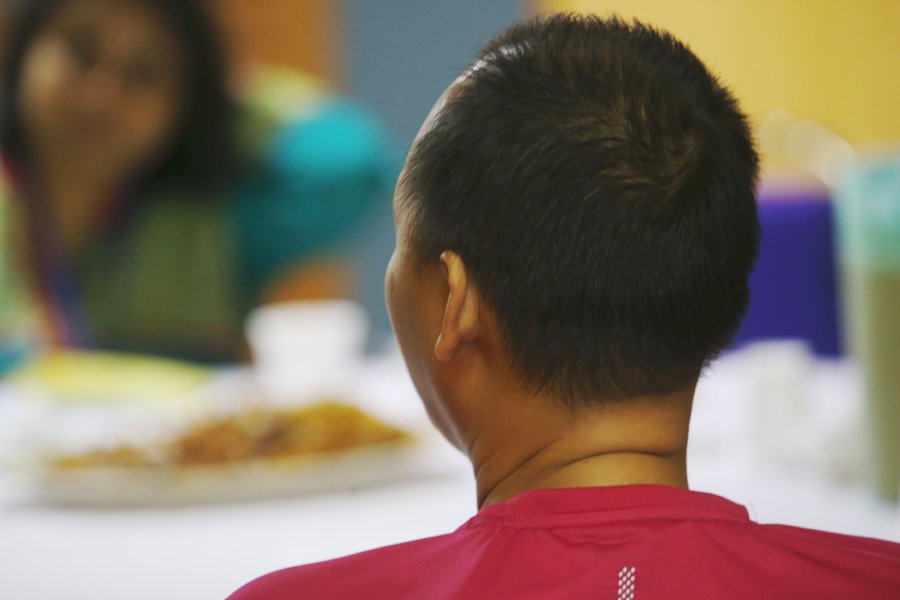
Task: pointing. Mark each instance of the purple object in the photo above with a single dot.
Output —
(794, 284)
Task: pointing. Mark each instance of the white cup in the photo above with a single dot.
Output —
(303, 351)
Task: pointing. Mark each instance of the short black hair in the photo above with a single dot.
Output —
(202, 152)
(599, 184)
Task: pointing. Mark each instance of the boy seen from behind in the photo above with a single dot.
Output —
(576, 224)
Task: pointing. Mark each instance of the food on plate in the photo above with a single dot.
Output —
(252, 435)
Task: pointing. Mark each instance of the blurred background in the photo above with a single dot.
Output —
(831, 63)
(800, 421)
(794, 66)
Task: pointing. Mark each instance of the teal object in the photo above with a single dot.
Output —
(13, 355)
(319, 178)
(869, 214)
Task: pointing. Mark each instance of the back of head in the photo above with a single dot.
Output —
(599, 184)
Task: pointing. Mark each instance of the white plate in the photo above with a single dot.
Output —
(429, 456)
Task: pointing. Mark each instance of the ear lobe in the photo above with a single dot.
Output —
(461, 315)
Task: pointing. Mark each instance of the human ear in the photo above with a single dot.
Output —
(461, 322)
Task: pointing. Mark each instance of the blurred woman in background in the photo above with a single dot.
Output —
(141, 209)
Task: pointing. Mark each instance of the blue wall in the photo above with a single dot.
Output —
(401, 54)
(399, 57)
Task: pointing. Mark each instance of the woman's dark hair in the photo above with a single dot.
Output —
(599, 184)
(201, 151)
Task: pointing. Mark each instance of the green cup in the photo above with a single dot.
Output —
(868, 226)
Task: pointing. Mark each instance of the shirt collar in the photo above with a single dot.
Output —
(580, 506)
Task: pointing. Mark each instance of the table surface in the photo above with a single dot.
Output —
(743, 447)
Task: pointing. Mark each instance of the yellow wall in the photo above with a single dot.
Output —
(833, 61)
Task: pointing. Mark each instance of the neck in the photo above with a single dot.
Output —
(74, 199)
(632, 441)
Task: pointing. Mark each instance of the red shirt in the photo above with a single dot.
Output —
(616, 543)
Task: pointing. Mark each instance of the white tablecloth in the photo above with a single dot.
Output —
(205, 552)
